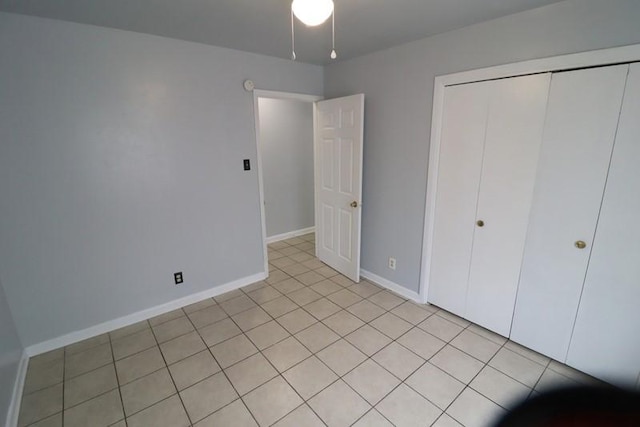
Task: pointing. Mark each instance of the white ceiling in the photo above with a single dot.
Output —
(263, 26)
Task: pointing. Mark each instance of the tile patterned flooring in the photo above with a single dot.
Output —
(306, 347)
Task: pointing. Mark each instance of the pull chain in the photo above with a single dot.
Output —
(333, 55)
(293, 39)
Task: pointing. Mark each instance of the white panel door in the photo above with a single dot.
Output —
(582, 117)
(605, 340)
(512, 143)
(338, 182)
(459, 167)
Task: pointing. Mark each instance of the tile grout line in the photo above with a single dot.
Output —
(502, 346)
(64, 380)
(126, 384)
(117, 382)
(533, 389)
(222, 370)
(279, 374)
(342, 337)
(425, 361)
(166, 366)
(312, 355)
(260, 351)
(467, 385)
(367, 357)
(305, 402)
(139, 351)
(341, 377)
(59, 383)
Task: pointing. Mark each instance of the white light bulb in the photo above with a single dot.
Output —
(333, 55)
(312, 12)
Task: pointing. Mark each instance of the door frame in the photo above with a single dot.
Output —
(587, 59)
(257, 94)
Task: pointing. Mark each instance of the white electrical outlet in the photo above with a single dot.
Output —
(392, 263)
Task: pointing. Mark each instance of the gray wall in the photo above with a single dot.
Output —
(398, 88)
(286, 149)
(10, 353)
(121, 163)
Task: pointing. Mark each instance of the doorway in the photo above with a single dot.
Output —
(336, 159)
(284, 137)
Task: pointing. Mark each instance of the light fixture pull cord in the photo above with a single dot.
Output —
(333, 34)
(293, 39)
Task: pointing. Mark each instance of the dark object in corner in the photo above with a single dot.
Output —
(577, 407)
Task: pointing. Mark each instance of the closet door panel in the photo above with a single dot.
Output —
(605, 340)
(582, 117)
(462, 140)
(512, 144)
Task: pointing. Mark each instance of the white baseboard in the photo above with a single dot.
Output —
(290, 234)
(400, 290)
(18, 386)
(139, 316)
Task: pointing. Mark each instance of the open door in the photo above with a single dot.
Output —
(338, 182)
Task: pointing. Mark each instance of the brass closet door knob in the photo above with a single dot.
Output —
(480, 223)
(354, 204)
(580, 244)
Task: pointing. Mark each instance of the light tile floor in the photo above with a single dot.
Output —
(306, 347)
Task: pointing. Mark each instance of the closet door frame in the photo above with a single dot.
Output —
(595, 58)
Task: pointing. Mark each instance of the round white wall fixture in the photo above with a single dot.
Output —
(249, 85)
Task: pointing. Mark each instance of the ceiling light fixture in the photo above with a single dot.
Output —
(313, 13)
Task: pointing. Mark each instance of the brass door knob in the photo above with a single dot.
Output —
(580, 244)
(354, 204)
(480, 223)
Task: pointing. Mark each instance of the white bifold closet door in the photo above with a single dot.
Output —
(491, 135)
(459, 168)
(582, 117)
(605, 340)
(512, 144)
